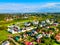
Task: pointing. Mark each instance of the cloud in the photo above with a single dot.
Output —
(19, 7)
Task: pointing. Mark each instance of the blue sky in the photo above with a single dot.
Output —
(28, 1)
(25, 6)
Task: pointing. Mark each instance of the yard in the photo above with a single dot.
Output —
(3, 35)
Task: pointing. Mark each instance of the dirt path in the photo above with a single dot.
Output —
(13, 41)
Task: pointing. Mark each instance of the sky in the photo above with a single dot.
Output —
(27, 6)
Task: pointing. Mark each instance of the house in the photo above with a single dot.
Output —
(38, 40)
(51, 32)
(48, 21)
(28, 43)
(57, 37)
(14, 29)
(55, 24)
(24, 30)
(8, 19)
(25, 17)
(56, 29)
(6, 43)
(47, 35)
(27, 24)
(41, 25)
(43, 33)
(34, 32)
(35, 22)
(18, 38)
(52, 20)
(47, 27)
(29, 28)
(25, 35)
(39, 36)
(43, 22)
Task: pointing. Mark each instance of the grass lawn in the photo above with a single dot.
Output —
(55, 44)
(53, 26)
(3, 35)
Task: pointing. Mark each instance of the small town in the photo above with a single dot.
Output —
(30, 29)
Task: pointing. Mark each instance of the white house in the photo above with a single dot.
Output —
(43, 22)
(47, 35)
(35, 22)
(9, 19)
(39, 36)
(13, 29)
(27, 24)
(48, 21)
(41, 25)
(27, 29)
(6, 43)
(51, 22)
(25, 17)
